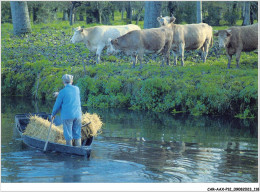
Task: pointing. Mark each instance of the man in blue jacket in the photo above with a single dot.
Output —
(68, 102)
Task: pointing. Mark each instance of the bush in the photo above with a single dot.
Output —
(232, 16)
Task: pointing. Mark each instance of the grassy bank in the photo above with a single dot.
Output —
(33, 65)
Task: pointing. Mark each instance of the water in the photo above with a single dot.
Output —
(136, 147)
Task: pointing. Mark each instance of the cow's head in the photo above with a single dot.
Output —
(111, 48)
(163, 21)
(78, 35)
(223, 37)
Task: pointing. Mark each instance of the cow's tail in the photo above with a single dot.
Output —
(211, 42)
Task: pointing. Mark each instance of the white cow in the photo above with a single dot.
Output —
(164, 20)
(96, 38)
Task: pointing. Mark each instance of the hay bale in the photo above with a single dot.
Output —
(39, 128)
(91, 125)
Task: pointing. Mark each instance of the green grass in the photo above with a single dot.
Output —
(197, 88)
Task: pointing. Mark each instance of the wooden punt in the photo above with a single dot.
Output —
(21, 122)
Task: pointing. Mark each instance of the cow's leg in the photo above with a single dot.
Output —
(166, 58)
(181, 50)
(134, 59)
(166, 53)
(163, 59)
(238, 53)
(229, 60)
(175, 56)
(205, 52)
(141, 59)
(202, 52)
(98, 53)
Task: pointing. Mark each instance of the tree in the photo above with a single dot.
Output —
(20, 17)
(6, 15)
(138, 6)
(121, 5)
(74, 5)
(44, 11)
(213, 12)
(253, 11)
(152, 11)
(232, 13)
(129, 12)
(246, 13)
(199, 12)
(172, 6)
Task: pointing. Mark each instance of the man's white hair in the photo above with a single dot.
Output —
(67, 78)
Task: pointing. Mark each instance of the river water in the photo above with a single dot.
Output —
(136, 147)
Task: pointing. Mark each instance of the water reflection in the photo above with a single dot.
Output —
(137, 146)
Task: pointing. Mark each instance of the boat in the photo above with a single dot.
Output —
(21, 122)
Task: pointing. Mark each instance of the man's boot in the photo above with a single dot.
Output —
(78, 142)
(69, 142)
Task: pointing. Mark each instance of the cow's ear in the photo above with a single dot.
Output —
(109, 40)
(115, 41)
(172, 19)
(158, 18)
(215, 33)
(229, 32)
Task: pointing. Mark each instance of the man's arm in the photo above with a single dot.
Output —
(57, 105)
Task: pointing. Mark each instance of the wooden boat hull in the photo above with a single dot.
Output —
(54, 147)
(22, 119)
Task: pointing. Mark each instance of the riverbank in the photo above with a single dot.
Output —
(33, 65)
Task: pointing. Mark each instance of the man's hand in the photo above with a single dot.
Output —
(55, 94)
(52, 118)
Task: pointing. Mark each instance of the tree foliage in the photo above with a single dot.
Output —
(214, 13)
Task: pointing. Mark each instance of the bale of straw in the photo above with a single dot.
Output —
(91, 125)
(39, 127)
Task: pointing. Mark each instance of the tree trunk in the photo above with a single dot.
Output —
(113, 15)
(138, 15)
(74, 4)
(251, 14)
(35, 10)
(129, 12)
(199, 12)
(65, 15)
(100, 16)
(20, 17)
(81, 17)
(246, 19)
(152, 11)
(72, 14)
(122, 14)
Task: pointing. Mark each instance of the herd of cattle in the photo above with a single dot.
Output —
(135, 42)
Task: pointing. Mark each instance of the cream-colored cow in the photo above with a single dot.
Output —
(96, 38)
(189, 37)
